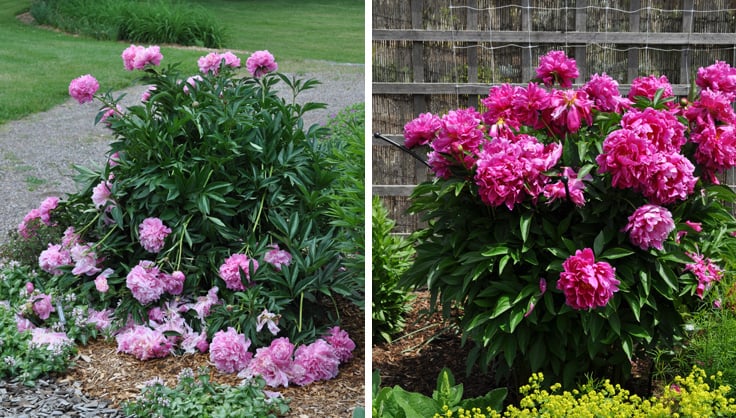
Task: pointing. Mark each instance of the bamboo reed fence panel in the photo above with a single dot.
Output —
(437, 55)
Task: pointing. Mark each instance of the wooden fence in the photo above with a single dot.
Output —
(436, 55)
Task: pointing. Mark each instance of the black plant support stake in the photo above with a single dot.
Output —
(401, 147)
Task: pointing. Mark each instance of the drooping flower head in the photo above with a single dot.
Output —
(152, 234)
(705, 270)
(556, 67)
(587, 284)
(261, 63)
(42, 306)
(231, 269)
(314, 362)
(649, 226)
(277, 257)
(144, 282)
(83, 89)
(101, 194)
(716, 151)
(143, 343)
(53, 258)
(229, 351)
(265, 365)
(570, 187)
(270, 320)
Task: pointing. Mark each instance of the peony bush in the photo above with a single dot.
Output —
(209, 226)
(573, 226)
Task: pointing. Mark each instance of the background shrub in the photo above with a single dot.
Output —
(137, 21)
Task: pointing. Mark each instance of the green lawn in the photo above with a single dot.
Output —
(36, 64)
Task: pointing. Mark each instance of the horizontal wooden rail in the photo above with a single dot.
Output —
(472, 89)
(543, 37)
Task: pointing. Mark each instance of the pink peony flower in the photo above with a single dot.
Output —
(70, 238)
(719, 76)
(529, 102)
(231, 60)
(585, 283)
(85, 260)
(649, 226)
(100, 319)
(501, 115)
(341, 343)
(174, 282)
(422, 130)
(27, 228)
(194, 342)
(648, 86)
(143, 343)
(205, 303)
(152, 234)
(281, 352)
(229, 351)
(571, 188)
(716, 149)
(110, 112)
(53, 258)
(556, 67)
(191, 81)
(42, 306)
(661, 129)
(144, 282)
(603, 90)
(136, 57)
(261, 63)
(210, 63)
(264, 365)
(101, 194)
(101, 281)
(622, 156)
(83, 88)
(44, 210)
(314, 362)
(53, 340)
(146, 95)
(29, 287)
(705, 270)
(569, 109)
(712, 107)
(230, 271)
(277, 257)
(696, 226)
(669, 178)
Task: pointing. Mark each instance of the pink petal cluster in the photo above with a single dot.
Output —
(272, 363)
(705, 270)
(211, 62)
(571, 187)
(341, 342)
(231, 269)
(152, 234)
(314, 362)
(261, 63)
(661, 129)
(101, 281)
(143, 343)
(100, 319)
(42, 306)
(500, 116)
(191, 81)
(649, 226)
(587, 284)
(568, 109)
(603, 91)
(648, 86)
(277, 257)
(52, 340)
(83, 88)
(101, 194)
(85, 260)
(53, 258)
(205, 303)
(422, 130)
(716, 151)
(42, 213)
(229, 351)
(719, 76)
(136, 57)
(144, 281)
(507, 172)
(556, 67)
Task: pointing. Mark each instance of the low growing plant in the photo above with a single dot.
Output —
(392, 256)
(194, 395)
(447, 398)
(576, 216)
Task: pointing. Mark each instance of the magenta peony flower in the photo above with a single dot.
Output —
(712, 107)
(569, 108)
(42, 306)
(341, 343)
(144, 282)
(83, 88)
(143, 343)
(508, 171)
(314, 362)
(716, 149)
(230, 270)
(501, 115)
(719, 76)
(529, 102)
(696, 226)
(277, 257)
(705, 271)
(623, 156)
(660, 128)
(603, 90)
(585, 283)
(229, 351)
(573, 190)
(648, 86)
(649, 226)
(53, 258)
(261, 63)
(556, 67)
(422, 130)
(670, 177)
(152, 234)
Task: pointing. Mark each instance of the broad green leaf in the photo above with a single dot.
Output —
(615, 253)
(525, 223)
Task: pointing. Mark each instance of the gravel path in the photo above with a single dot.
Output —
(37, 155)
